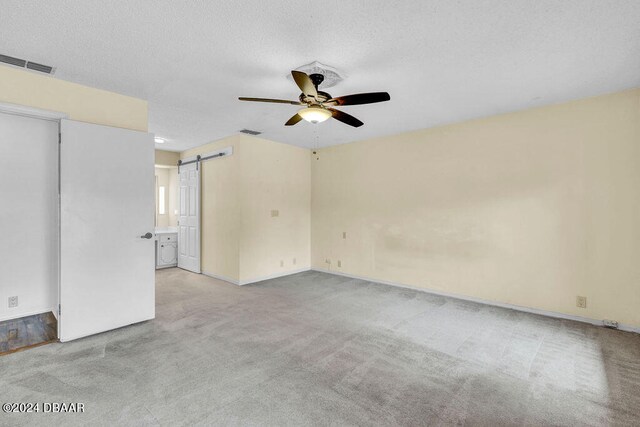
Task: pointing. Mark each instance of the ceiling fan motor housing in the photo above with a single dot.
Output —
(330, 75)
(317, 79)
(322, 97)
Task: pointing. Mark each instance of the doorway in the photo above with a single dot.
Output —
(76, 220)
(29, 230)
(167, 202)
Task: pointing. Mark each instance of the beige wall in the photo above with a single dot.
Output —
(167, 158)
(241, 240)
(162, 180)
(531, 208)
(167, 178)
(220, 219)
(81, 103)
(273, 177)
(174, 197)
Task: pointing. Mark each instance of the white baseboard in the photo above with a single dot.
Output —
(27, 313)
(254, 280)
(547, 313)
(219, 277)
(273, 276)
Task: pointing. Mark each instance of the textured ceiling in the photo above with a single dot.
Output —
(441, 61)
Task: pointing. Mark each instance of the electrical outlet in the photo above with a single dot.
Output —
(13, 334)
(275, 212)
(13, 302)
(339, 263)
(294, 261)
(344, 234)
(281, 263)
(581, 302)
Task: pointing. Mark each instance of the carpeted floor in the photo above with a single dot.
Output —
(319, 349)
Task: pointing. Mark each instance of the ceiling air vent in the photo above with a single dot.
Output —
(250, 132)
(39, 67)
(13, 61)
(25, 64)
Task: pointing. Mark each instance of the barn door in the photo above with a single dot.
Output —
(189, 218)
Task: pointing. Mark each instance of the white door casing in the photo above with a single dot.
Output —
(107, 271)
(189, 218)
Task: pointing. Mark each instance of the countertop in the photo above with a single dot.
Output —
(166, 230)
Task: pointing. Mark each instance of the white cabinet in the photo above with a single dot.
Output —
(166, 249)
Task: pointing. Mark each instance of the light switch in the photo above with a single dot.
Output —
(275, 212)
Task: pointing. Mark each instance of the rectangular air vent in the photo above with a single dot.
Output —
(13, 61)
(250, 132)
(39, 67)
(25, 64)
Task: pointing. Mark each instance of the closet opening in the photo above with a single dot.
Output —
(29, 226)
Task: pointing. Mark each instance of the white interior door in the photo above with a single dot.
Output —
(107, 271)
(189, 218)
(28, 216)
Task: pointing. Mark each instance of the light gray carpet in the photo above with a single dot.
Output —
(319, 349)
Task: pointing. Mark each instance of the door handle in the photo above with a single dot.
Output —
(146, 236)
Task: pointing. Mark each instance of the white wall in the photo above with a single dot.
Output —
(28, 215)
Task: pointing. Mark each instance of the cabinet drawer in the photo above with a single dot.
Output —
(168, 237)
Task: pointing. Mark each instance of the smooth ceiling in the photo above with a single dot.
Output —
(441, 61)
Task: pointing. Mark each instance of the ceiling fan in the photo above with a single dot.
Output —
(319, 104)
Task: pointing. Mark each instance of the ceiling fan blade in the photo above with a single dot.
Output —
(304, 83)
(293, 120)
(359, 98)
(345, 118)
(277, 101)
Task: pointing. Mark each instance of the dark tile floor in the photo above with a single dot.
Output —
(25, 332)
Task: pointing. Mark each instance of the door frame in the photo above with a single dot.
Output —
(53, 116)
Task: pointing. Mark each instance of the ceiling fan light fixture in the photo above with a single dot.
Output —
(314, 114)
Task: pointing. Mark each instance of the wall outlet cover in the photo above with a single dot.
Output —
(13, 302)
(275, 212)
(581, 302)
(339, 263)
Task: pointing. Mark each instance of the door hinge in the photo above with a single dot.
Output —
(59, 310)
(59, 138)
